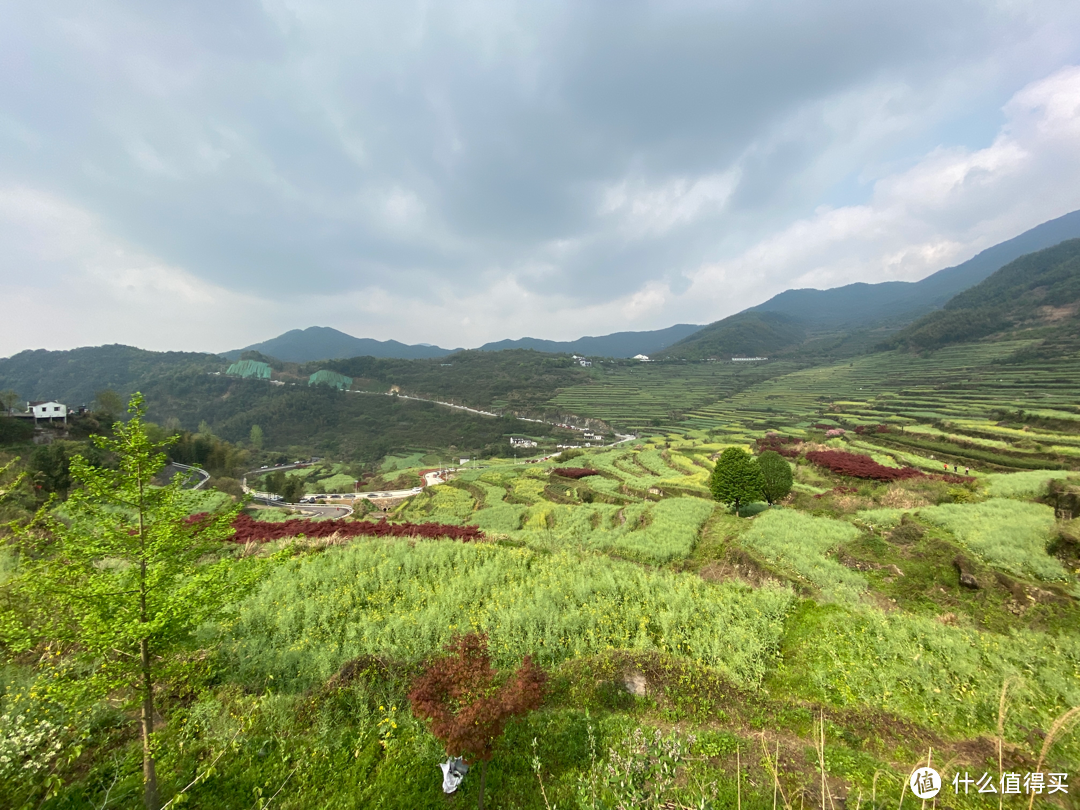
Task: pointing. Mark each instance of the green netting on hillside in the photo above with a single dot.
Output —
(249, 368)
(324, 377)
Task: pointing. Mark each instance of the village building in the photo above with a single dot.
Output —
(47, 410)
(521, 441)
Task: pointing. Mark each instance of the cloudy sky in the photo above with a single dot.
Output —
(205, 175)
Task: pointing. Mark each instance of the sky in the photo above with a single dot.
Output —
(203, 175)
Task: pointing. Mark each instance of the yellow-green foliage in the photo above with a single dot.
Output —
(800, 543)
(942, 676)
(502, 518)
(442, 504)
(658, 532)
(879, 518)
(391, 463)
(1027, 484)
(1011, 535)
(405, 600)
(336, 483)
(528, 488)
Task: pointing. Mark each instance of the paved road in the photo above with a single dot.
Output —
(189, 472)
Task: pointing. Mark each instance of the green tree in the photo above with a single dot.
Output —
(776, 479)
(256, 437)
(736, 479)
(9, 399)
(120, 583)
(109, 404)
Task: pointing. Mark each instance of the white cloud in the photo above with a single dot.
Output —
(949, 206)
(68, 282)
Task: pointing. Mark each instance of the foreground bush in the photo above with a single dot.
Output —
(461, 697)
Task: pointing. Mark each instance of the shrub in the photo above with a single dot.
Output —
(856, 465)
(736, 478)
(574, 472)
(467, 708)
(249, 530)
(786, 446)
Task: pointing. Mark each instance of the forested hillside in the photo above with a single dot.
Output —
(74, 377)
(323, 343)
(817, 325)
(1037, 296)
(351, 426)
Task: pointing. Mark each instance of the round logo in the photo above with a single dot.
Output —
(925, 783)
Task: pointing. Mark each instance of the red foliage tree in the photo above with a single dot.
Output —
(461, 698)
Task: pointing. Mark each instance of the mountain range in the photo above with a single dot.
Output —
(326, 343)
(839, 321)
(846, 320)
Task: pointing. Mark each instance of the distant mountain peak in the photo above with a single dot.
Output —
(327, 343)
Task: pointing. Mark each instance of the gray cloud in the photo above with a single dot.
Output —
(557, 168)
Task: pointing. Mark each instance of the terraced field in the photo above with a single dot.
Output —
(654, 394)
(950, 406)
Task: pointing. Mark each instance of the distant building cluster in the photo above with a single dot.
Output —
(521, 441)
(581, 361)
(747, 359)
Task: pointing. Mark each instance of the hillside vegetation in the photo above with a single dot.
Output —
(1036, 295)
(843, 602)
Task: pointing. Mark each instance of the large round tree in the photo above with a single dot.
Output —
(776, 478)
(736, 479)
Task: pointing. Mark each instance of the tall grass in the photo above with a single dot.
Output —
(800, 543)
(406, 599)
(656, 533)
(1028, 484)
(1011, 535)
(941, 676)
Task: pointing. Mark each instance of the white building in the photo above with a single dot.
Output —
(516, 441)
(585, 363)
(644, 358)
(47, 410)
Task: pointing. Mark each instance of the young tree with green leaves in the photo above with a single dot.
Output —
(776, 478)
(121, 582)
(736, 479)
(8, 400)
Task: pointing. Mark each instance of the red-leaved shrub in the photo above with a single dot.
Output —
(249, 530)
(467, 708)
(856, 465)
(574, 472)
(787, 446)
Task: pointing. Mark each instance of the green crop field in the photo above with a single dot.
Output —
(651, 394)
